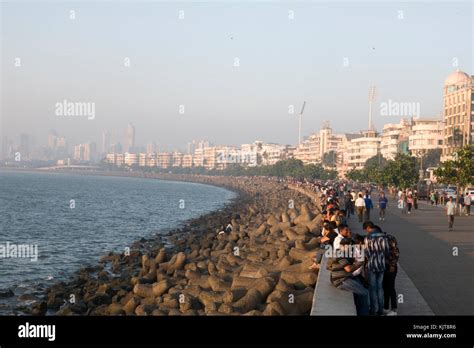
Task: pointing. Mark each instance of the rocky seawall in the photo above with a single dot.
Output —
(259, 268)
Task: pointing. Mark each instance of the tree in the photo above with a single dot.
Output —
(377, 160)
(401, 172)
(329, 159)
(458, 172)
(432, 158)
(356, 175)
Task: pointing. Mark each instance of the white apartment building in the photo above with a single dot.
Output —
(342, 152)
(119, 159)
(313, 148)
(130, 159)
(176, 159)
(392, 135)
(272, 153)
(425, 134)
(363, 148)
(163, 160)
(198, 158)
(187, 161)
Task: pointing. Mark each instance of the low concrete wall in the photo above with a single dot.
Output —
(329, 300)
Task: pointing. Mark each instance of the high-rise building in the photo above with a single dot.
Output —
(458, 112)
(25, 146)
(106, 142)
(85, 152)
(52, 139)
(151, 147)
(129, 138)
(6, 148)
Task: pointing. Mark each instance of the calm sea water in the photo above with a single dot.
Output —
(108, 213)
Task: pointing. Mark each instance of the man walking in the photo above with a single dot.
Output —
(467, 204)
(383, 201)
(450, 209)
(360, 206)
(368, 206)
(376, 252)
(348, 204)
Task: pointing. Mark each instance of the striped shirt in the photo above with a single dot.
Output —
(376, 251)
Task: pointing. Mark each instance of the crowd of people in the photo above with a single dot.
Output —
(364, 264)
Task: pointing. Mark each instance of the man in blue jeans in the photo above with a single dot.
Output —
(344, 276)
(376, 251)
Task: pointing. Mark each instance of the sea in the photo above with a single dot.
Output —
(52, 224)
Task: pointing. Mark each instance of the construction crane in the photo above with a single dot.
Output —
(299, 127)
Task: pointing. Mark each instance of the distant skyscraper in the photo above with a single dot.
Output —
(52, 139)
(106, 142)
(85, 152)
(129, 138)
(6, 148)
(151, 147)
(25, 146)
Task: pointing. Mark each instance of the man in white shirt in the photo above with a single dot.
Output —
(360, 206)
(344, 232)
(450, 210)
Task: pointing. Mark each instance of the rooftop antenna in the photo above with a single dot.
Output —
(299, 125)
(372, 92)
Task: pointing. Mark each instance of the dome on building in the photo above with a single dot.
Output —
(457, 77)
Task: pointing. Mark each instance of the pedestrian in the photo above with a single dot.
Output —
(467, 204)
(461, 204)
(360, 206)
(383, 201)
(376, 251)
(409, 203)
(353, 202)
(404, 202)
(344, 275)
(348, 204)
(450, 209)
(389, 292)
(368, 207)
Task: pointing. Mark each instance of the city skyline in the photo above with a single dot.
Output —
(191, 86)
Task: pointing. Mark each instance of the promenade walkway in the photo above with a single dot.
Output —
(438, 262)
(328, 300)
(410, 300)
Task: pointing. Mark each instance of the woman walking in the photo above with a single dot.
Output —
(409, 203)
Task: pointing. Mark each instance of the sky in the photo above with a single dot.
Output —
(325, 53)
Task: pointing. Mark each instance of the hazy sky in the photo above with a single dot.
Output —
(190, 62)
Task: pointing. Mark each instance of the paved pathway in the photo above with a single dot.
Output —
(428, 256)
(410, 301)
